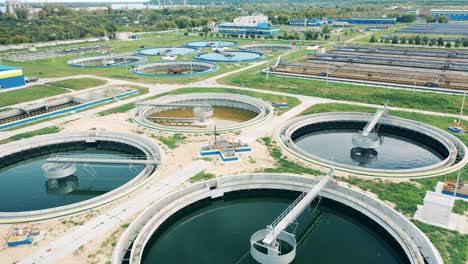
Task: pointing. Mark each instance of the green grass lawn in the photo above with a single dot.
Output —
(171, 142)
(78, 84)
(202, 176)
(42, 131)
(340, 91)
(50, 89)
(119, 109)
(29, 94)
(452, 245)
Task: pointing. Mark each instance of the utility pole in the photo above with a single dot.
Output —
(461, 110)
(456, 185)
(328, 66)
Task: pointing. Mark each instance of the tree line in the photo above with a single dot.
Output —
(418, 40)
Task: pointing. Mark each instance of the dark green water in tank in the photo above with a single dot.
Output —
(219, 232)
(23, 186)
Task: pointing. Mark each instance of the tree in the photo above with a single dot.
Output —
(432, 42)
(417, 40)
(183, 22)
(408, 18)
(205, 29)
(465, 43)
(425, 40)
(403, 40)
(457, 43)
(283, 19)
(411, 40)
(372, 39)
(442, 19)
(21, 13)
(440, 42)
(395, 40)
(448, 44)
(326, 30)
(430, 19)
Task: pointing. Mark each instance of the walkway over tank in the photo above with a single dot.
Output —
(269, 238)
(293, 211)
(102, 159)
(373, 122)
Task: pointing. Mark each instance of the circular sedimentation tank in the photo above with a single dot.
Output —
(267, 48)
(106, 61)
(166, 51)
(35, 195)
(175, 69)
(230, 56)
(211, 44)
(399, 147)
(182, 113)
(219, 229)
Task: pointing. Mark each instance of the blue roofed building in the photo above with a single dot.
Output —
(247, 25)
(370, 21)
(306, 22)
(453, 15)
(11, 77)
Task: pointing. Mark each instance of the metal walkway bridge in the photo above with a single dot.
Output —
(101, 159)
(269, 238)
(293, 211)
(373, 122)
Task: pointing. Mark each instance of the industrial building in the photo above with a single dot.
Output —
(306, 22)
(342, 22)
(454, 15)
(370, 21)
(11, 77)
(247, 25)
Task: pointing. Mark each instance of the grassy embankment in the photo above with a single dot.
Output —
(50, 89)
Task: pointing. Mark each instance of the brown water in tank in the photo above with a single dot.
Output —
(220, 113)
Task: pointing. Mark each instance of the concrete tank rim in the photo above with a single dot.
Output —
(260, 56)
(73, 62)
(141, 229)
(214, 68)
(234, 43)
(248, 47)
(139, 51)
(150, 149)
(267, 111)
(287, 128)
